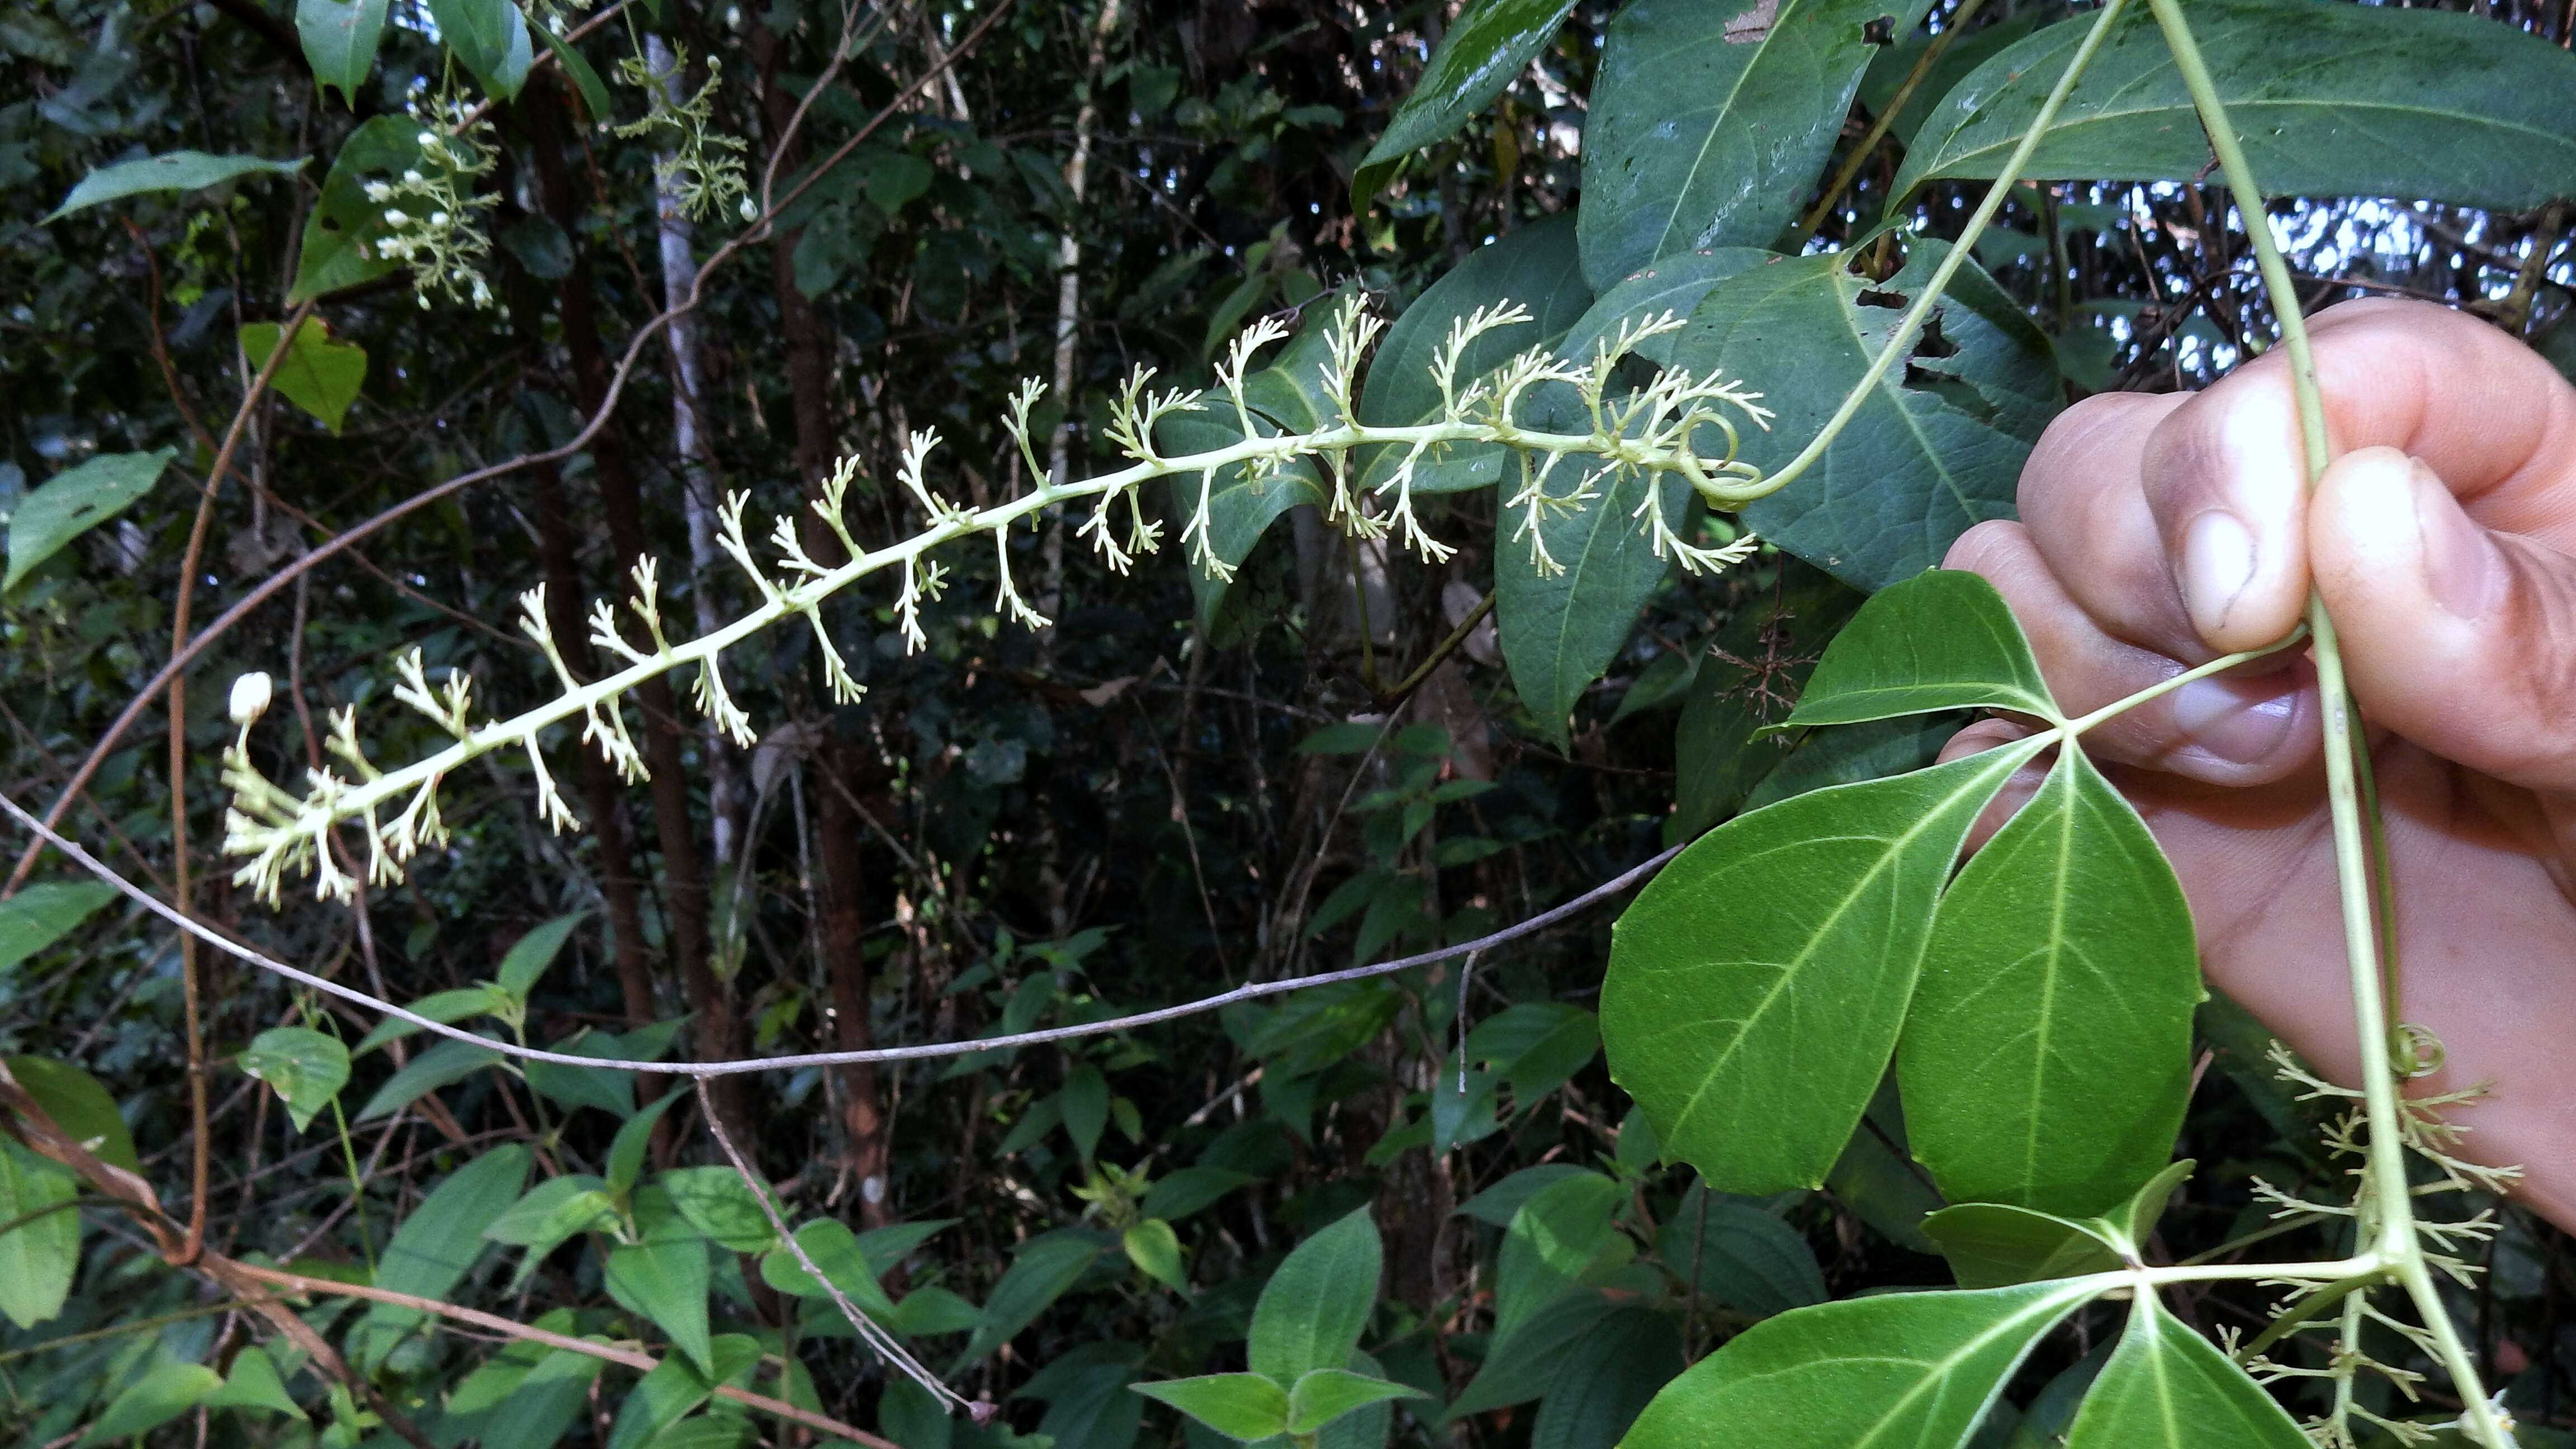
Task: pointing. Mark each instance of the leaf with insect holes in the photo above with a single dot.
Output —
(1936, 446)
(66, 506)
(1757, 985)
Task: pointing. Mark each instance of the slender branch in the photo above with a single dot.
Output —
(1252, 992)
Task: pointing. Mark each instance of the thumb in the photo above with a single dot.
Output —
(2460, 639)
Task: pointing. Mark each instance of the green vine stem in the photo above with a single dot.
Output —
(2391, 1238)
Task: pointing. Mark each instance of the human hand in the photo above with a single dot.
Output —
(2158, 532)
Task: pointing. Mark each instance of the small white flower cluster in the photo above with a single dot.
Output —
(702, 165)
(431, 218)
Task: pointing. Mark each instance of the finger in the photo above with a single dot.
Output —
(2245, 727)
(2088, 517)
(2460, 638)
(2224, 474)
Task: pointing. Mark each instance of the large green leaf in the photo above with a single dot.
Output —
(1044, 1269)
(523, 1397)
(1248, 1407)
(1990, 1245)
(2329, 100)
(1740, 1255)
(39, 1255)
(343, 237)
(304, 1067)
(1711, 118)
(1486, 48)
(1755, 988)
(2166, 1387)
(435, 1246)
(1902, 1369)
(1961, 53)
(174, 171)
(166, 1390)
(1936, 447)
(1525, 1366)
(2048, 1058)
(1535, 266)
(1552, 1239)
(665, 1280)
(1559, 631)
(1941, 640)
(1314, 1307)
(339, 38)
(66, 506)
(838, 1253)
(717, 1202)
(676, 1386)
(490, 38)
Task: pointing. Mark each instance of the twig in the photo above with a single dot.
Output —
(1251, 992)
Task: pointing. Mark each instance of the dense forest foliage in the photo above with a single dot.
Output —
(353, 348)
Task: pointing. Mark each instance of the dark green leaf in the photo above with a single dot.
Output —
(2348, 100)
(1526, 1365)
(1606, 1379)
(1313, 1309)
(41, 914)
(339, 39)
(66, 506)
(1710, 120)
(626, 1149)
(1740, 1255)
(1240, 1406)
(1190, 1189)
(444, 1007)
(665, 1281)
(594, 94)
(1324, 1395)
(717, 1202)
(2048, 1058)
(1880, 1184)
(1535, 266)
(1044, 1269)
(1552, 1239)
(1940, 640)
(305, 1067)
(176, 171)
(2166, 1387)
(529, 957)
(1865, 1373)
(165, 1391)
(1961, 54)
(490, 38)
(1085, 1099)
(435, 1246)
(1560, 630)
(39, 1255)
(676, 1386)
(1755, 988)
(439, 1066)
(1936, 447)
(835, 1251)
(1498, 1203)
(1990, 1245)
(1088, 1402)
(1487, 46)
(342, 237)
(78, 1103)
(1239, 508)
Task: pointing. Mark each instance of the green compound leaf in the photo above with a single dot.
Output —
(2166, 1387)
(1711, 118)
(1487, 47)
(2048, 1058)
(41, 1255)
(1314, 1307)
(66, 506)
(173, 171)
(1535, 266)
(2329, 101)
(1990, 1245)
(1560, 631)
(1936, 447)
(1756, 987)
(1248, 1407)
(305, 1067)
(1940, 640)
(164, 1392)
(1325, 1394)
(339, 38)
(1902, 1369)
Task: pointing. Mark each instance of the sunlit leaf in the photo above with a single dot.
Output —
(1943, 639)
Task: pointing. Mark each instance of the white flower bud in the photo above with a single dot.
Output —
(394, 216)
(427, 138)
(379, 193)
(411, 178)
(749, 211)
(250, 697)
(438, 218)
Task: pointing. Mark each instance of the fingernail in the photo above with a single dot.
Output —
(2217, 564)
(2459, 561)
(2238, 724)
